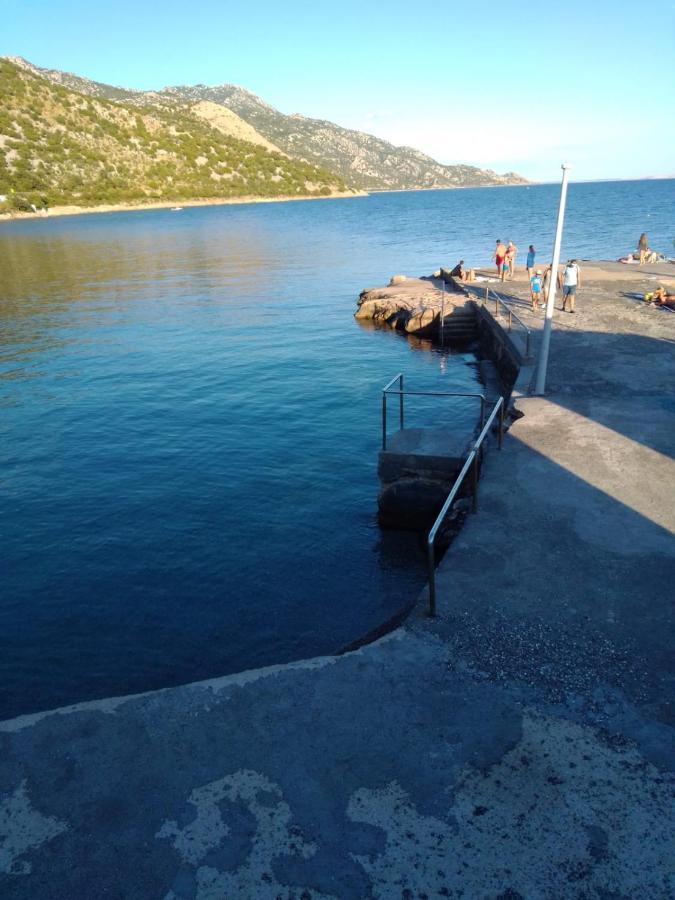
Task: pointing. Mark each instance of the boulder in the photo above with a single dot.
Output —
(412, 305)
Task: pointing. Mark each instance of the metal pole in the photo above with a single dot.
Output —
(442, 306)
(510, 320)
(474, 481)
(384, 420)
(540, 386)
(400, 400)
(501, 424)
(432, 578)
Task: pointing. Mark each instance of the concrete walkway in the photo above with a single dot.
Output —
(522, 744)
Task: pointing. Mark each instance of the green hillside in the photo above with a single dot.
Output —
(60, 147)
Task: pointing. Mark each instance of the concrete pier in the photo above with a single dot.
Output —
(522, 744)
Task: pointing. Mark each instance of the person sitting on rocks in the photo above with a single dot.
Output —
(460, 272)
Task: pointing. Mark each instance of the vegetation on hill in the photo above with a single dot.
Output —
(360, 159)
(58, 146)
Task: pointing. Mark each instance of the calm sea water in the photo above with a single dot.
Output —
(190, 424)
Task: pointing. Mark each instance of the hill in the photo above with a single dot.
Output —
(61, 146)
(361, 160)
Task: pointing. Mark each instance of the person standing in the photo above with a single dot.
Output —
(529, 265)
(511, 252)
(571, 280)
(643, 249)
(499, 256)
(535, 289)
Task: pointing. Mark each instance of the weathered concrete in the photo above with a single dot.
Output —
(520, 745)
(417, 471)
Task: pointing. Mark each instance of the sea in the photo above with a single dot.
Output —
(191, 416)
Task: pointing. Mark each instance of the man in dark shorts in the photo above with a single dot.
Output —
(571, 281)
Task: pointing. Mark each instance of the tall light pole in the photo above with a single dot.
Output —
(540, 385)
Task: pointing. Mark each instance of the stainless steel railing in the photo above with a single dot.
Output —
(400, 393)
(512, 316)
(470, 464)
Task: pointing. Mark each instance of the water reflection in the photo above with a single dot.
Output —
(191, 423)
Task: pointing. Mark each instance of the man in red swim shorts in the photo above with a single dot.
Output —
(499, 254)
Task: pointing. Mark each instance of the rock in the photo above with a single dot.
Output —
(411, 304)
(421, 321)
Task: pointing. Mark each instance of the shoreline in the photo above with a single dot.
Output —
(59, 211)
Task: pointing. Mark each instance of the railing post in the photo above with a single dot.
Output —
(510, 320)
(501, 424)
(496, 306)
(442, 309)
(487, 294)
(474, 481)
(527, 343)
(431, 564)
(400, 397)
(384, 420)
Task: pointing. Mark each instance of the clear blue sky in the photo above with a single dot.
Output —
(525, 89)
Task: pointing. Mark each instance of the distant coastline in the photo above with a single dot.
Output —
(58, 211)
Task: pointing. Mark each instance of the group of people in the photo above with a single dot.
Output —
(505, 259)
(643, 255)
(569, 279)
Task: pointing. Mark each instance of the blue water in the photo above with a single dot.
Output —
(190, 424)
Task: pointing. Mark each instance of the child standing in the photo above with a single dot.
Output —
(535, 289)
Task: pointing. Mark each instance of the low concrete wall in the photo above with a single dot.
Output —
(497, 345)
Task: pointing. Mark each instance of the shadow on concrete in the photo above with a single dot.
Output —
(564, 591)
(561, 587)
(624, 382)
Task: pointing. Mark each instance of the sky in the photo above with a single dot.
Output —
(513, 88)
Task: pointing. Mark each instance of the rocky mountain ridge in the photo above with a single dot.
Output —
(361, 160)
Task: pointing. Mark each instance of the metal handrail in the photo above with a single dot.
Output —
(401, 394)
(512, 316)
(471, 463)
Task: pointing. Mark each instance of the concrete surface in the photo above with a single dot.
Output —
(522, 744)
(440, 451)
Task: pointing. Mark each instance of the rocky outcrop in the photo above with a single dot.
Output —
(229, 123)
(413, 305)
